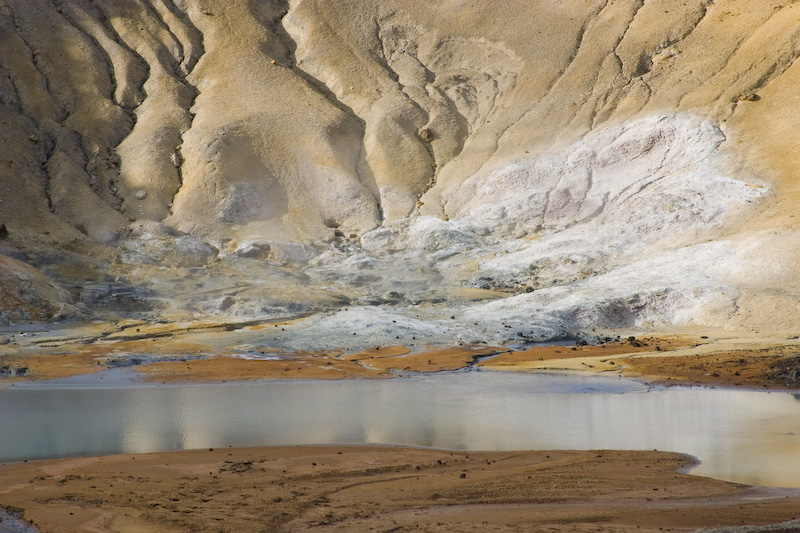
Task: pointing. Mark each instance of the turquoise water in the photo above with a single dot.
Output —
(744, 436)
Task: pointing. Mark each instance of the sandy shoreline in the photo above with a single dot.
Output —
(358, 488)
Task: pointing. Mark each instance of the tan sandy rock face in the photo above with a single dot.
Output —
(27, 294)
(531, 169)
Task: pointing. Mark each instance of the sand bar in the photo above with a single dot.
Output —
(340, 488)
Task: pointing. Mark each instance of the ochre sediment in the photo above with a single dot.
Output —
(342, 488)
(209, 351)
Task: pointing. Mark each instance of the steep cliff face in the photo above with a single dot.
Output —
(581, 164)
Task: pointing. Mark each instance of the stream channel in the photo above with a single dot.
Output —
(745, 436)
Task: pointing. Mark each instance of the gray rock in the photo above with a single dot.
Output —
(254, 250)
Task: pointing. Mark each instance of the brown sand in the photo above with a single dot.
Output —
(431, 359)
(356, 489)
(378, 352)
(225, 368)
(635, 345)
(774, 368)
(672, 360)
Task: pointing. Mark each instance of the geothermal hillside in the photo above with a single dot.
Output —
(462, 170)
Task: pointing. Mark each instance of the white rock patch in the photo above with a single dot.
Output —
(606, 233)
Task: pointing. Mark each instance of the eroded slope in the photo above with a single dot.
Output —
(578, 165)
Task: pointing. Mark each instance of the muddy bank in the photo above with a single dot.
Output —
(768, 364)
(210, 351)
(340, 488)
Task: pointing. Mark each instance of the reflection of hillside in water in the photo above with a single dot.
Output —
(744, 436)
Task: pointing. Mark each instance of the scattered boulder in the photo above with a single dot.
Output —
(280, 252)
(158, 244)
(254, 249)
(292, 252)
(426, 135)
(379, 239)
(193, 252)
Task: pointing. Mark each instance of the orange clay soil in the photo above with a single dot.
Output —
(78, 359)
(225, 368)
(549, 353)
(209, 351)
(355, 489)
(775, 368)
(430, 359)
(588, 358)
(376, 362)
(667, 360)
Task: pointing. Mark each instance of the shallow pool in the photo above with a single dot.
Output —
(744, 436)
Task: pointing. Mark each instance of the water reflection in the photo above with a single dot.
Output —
(745, 436)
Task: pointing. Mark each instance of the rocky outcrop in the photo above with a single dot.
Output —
(27, 294)
(631, 163)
